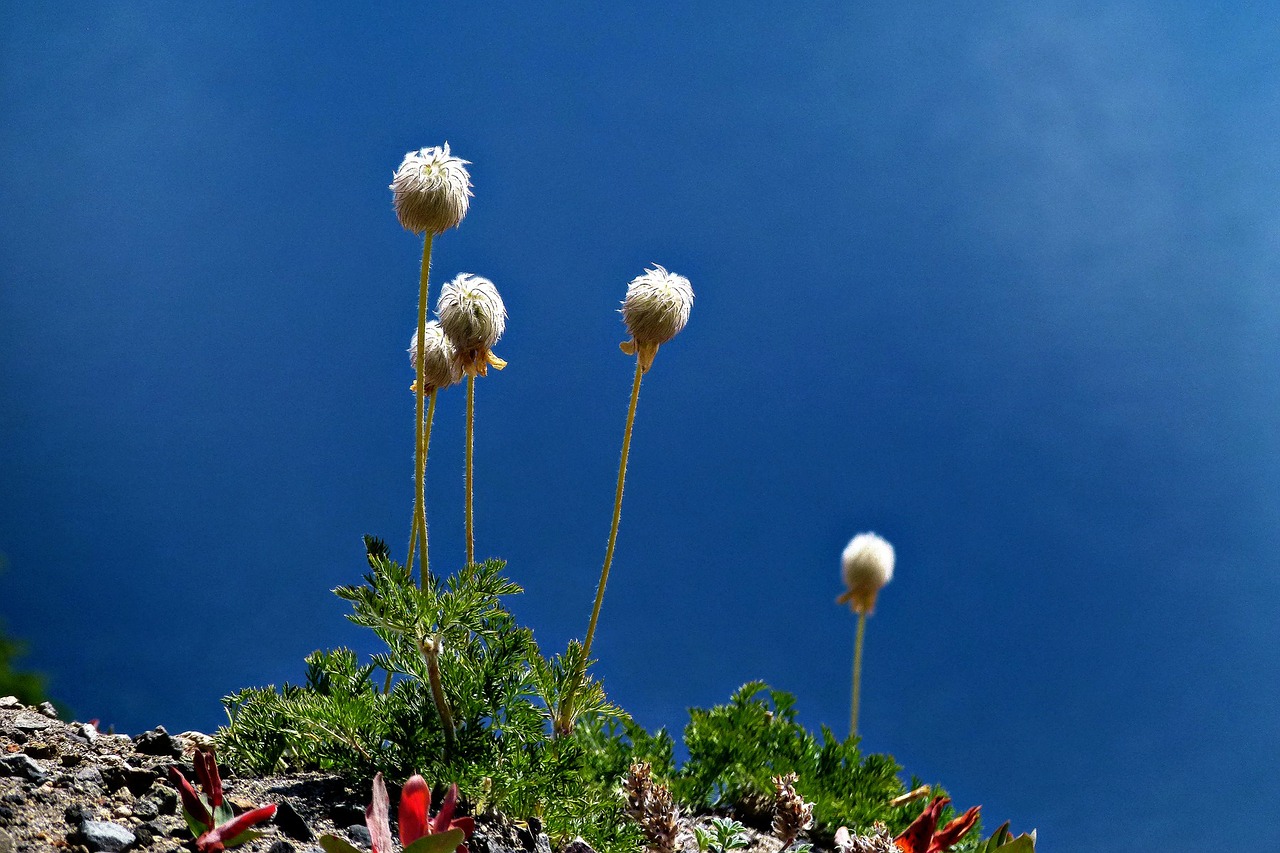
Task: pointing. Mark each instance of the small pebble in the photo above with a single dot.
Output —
(104, 836)
(359, 835)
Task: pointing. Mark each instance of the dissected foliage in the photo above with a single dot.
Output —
(495, 738)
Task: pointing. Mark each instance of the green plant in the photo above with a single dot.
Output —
(461, 692)
(724, 835)
(1002, 841)
(212, 823)
(737, 748)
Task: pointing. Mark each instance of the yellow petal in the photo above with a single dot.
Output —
(497, 363)
(629, 347)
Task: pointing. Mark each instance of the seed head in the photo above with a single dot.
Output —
(655, 309)
(791, 814)
(431, 190)
(440, 367)
(868, 565)
(473, 317)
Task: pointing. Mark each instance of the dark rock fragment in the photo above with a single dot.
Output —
(146, 809)
(291, 823)
(157, 742)
(347, 814)
(23, 766)
(359, 835)
(281, 846)
(78, 813)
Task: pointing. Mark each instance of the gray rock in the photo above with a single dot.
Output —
(281, 847)
(9, 703)
(82, 732)
(578, 845)
(89, 774)
(359, 835)
(6, 840)
(101, 835)
(23, 766)
(146, 809)
(48, 710)
(31, 722)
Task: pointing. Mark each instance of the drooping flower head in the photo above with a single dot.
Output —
(655, 309)
(473, 317)
(867, 564)
(439, 359)
(431, 190)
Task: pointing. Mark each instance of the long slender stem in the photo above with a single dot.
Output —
(471, 432)
(422, 520)
(857, 674)
(420, 456)
(566, 711)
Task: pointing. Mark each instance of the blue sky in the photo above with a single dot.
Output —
(997, 282)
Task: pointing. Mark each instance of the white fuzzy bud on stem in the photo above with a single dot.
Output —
(655, 309)
(439, 367)
(867, 564)
(431, 190)
(473, 317)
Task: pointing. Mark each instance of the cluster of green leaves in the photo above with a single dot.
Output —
(496, 742)
(500, 692)
(736, 749)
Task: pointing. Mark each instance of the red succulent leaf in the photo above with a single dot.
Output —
(917, 837)
(414, 800)
(216, 839)
(954, 831)
(207, 775)
(375, 817)
(441, 822)
(191, 803)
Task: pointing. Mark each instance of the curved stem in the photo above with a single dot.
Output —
(420, 456)
(471, 432)
(431, 654)
(566, 711)
(857, 674)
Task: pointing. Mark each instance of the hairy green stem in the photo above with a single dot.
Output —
(431, 654)
(471, 432)
(565, 722)
(857, 674)
(420, 455)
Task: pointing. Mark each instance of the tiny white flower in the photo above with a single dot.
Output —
(472, 315)
(867, 564)
(431, 190)
(655, 309)
(440, 364)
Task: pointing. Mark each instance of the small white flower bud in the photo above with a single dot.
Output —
(431, 190)
(867, 562)
(655, 309)
(440, 364)
(472, 315)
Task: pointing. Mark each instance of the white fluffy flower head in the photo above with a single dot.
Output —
(472, 315)
(439, 359)
(867, 564)
(655, 309)
(431, 190)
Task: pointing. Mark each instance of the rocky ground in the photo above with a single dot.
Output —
(67, 786)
